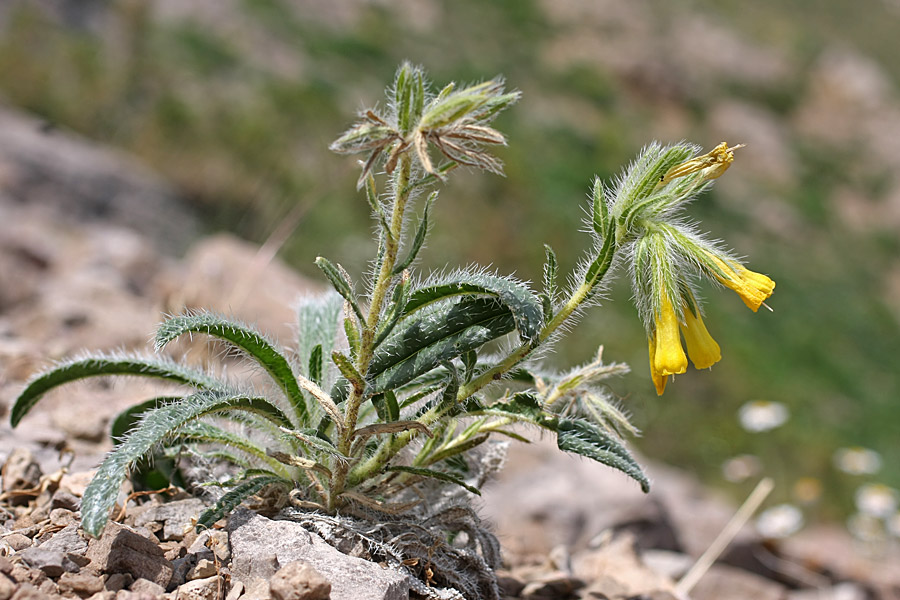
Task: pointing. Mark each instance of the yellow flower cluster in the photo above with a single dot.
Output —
(667, 356)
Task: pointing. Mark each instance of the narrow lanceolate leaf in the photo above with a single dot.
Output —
(399, 296)
(348, 370)
(248, 341)
(586, 439)
(323, 399)
(317, 324)
(157, 426)
(315, 365)
(418, 240)
(419, 345)
(551, 269)
(311, 439)
(440, 475)
(519, 300)
(523, 407)
(341, 283)
(131, 416)
(234, 497)
(600, 209)
(105, 366)
(198, 432)
(600, 265)
(395, 427)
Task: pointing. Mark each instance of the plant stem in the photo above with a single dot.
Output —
(395, 443)
(367, 342)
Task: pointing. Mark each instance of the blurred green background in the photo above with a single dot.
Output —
(236, 101)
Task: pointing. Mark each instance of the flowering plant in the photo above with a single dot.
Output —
(397, 416)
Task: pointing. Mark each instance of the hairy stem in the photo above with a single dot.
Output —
(394, 444)
(381, 287)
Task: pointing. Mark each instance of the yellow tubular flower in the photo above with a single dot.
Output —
(669, 358)
(659, 381)
(703, 350)
(753, 288)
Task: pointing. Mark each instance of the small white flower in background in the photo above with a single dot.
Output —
(762, 415)
(866, 528)
(779, 521)
(741, 468)
(857, 460)
(876, 500)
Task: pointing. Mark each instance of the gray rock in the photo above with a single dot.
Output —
(200, 589)
(175, 517)
(120, 549)
(52, 563)
(66, 500)
(299, 581)
(80, 584)
(20, 472)
(145, 586)
(7, 587)
(253, 536)
(18, 541)
(67, 540)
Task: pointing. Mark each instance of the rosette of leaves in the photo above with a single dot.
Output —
(385, 393)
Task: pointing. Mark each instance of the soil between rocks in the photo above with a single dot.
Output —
(71, 281)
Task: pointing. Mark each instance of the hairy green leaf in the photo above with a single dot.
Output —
(440, 475)
(156, 426)
(341, 283)
(418, 345)
(419, 238)
(586, 439)
(315, 365)
(131, 416)
(247, 340)
(317, 323)
(98, 366)
(521, 302)
(234, 497)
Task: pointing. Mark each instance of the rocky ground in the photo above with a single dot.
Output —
(94, 249)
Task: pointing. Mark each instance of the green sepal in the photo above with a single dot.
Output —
(418, 240)
(439, 475)
(586, 439)
(520, 301)
(235, 496)
(340, 282)
(103, 366)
